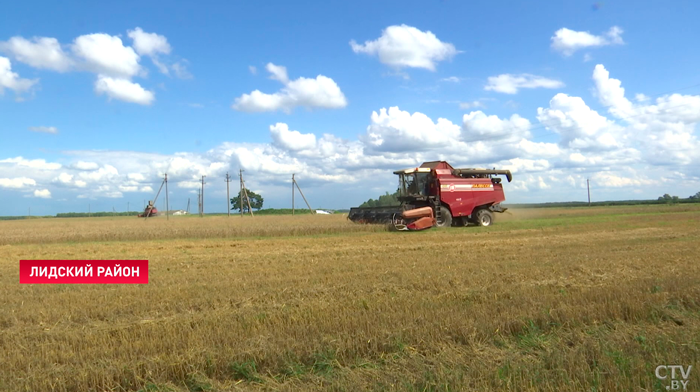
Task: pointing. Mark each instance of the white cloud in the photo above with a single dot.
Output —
(579, 125)
(40, 52)
(277, 72)
(115, 63)
(253, 70)
(149, 44)
(631, 147)
(64, 178)
(123, 90)
(610, 180)
(397, 130)
(80, 165)
(509, 83)
(106, 54)
(181, 70)
(569, 41)
(291, 140)
(471, 105)
(11, 80)
(641, 98)
(611, 93)
(478, 126)
(136, 177)
(666, 129)
(43, 129)
(40, 164)
(451, 79)
(587, 57)
(406, 46)
(520, 165)
(321, 92)
(17, 183)
(42, 193)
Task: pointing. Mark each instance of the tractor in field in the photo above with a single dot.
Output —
(436, 194)
(149, 211)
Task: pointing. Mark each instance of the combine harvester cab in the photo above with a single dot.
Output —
(454, 197)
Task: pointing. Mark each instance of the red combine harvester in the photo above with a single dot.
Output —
(149, 211)
(436, 194)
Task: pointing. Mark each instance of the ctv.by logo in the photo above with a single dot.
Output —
(662, 373)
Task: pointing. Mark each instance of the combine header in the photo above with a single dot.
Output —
(436, 194)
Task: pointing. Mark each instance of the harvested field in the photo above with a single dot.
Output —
(546, 299)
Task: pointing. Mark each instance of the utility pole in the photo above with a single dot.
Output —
(188, 205)
(228, 196)
(294, 182)
(588, 185)
(199, 202)
(167, 205)
(202, 214)
(127, 208)
(240, 194)
(244, 193)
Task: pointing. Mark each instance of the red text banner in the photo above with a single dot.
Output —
(83, 271)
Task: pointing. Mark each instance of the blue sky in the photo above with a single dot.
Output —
(98, 101)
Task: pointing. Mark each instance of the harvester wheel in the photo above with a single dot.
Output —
(445, 217)
(484, 217)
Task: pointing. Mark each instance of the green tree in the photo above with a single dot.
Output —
(384, 200)
(256, 201)
(669, 199)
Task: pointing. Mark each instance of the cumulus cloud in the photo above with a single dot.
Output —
(478, 126)
(569, 41)
(291, 140)
(510, 84)
(579, 125)
(624, 148)
(42, 129)
(11, 80)
(665, 128)
(39, 52)
(17, 182)
(106, 54)
(321, 92)
(114, 63)
(42, 193)
(396, 130)
(39, 164)
(148, 44)
(80, 165)
(123, 90)
(407, 47)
